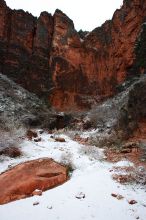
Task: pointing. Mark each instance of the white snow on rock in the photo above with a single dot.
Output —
(91, 177)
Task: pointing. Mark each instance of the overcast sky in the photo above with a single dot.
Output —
(86, 14)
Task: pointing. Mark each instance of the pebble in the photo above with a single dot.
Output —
(132, 202)
(80, 195)
(37, 192)
(118, 196)
(36, 203)
(49, 207)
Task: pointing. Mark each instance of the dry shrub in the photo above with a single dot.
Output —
(134, 175)
(91, 151)
(67, 161)
(31, 134)
(9, 143)
(12, 152)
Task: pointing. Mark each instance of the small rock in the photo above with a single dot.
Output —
(132, 202)
(118, 196)
(36, 203)
(114, 195)
(41, 131)
(80, 195)
(110, 170)
(59, 139)
(37, 139)
(49, 207)
(37, 192)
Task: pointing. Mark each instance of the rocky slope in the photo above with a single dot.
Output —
(20, 108)
(118, 119)
(47, 56)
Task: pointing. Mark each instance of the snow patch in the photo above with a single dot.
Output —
(91, 180)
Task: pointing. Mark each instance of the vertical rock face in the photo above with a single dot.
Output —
(25, 43)
(115, 40)
(95, 66)
(66, 58)
(48, 57)
(139, 65)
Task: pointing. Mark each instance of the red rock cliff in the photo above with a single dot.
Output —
(47, 56)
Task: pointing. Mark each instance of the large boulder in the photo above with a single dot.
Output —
(24, 179)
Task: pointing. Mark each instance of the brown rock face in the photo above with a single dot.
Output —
(25, 43)
(47, 56)
(22, 180)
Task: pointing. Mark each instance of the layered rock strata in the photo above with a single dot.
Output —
(47, 56)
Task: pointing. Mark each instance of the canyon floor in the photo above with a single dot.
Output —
(91, 191)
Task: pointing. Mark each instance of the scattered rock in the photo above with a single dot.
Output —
(123, 178)
(36, 203)
(132, 202)
(37, 192)
(131, 144)
(130, 147)
(59, 139)
(80, 195)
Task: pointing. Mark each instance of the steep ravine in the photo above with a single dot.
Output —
(46, 56)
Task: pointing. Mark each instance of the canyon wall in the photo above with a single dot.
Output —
(47, 56)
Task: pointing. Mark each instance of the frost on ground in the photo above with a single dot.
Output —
(88, 193)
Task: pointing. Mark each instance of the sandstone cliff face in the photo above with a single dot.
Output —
(25, 43)
(47, 56)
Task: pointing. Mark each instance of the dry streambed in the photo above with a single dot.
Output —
(91, 187)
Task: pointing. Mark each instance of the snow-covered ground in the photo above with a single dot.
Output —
(90, 177)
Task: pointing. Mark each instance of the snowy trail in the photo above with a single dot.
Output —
(91, 176)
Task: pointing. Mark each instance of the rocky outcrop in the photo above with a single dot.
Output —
(25, 43)
(139, 65)
(25, 179)
(47, 55)
(120, 117)
(20, 108)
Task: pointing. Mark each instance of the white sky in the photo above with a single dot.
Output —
(86, 14)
